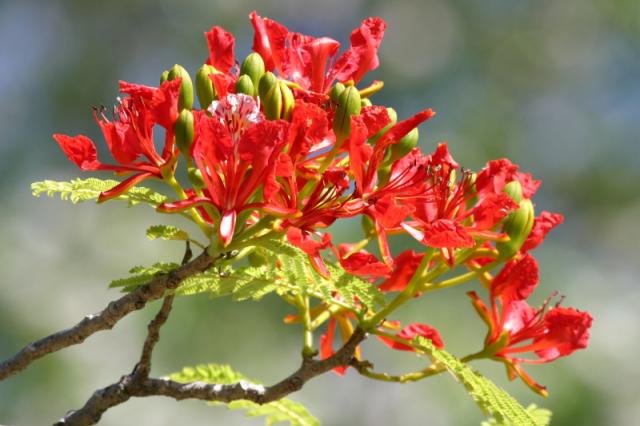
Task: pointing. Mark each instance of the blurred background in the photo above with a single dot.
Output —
(553, 85)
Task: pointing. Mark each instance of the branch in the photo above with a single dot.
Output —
(105, 319)
(136, 386)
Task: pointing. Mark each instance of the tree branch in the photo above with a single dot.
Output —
(130, 386)
(105, 319)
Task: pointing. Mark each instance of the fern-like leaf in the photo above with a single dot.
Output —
(80, 190)
(167, 232)
(491, 399)
(142, 275)
(541, 415)
(283, 410)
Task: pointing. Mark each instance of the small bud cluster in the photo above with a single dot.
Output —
(287, 143)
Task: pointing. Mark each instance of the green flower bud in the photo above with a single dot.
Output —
(267, 81)
(288, 101)
(195, 176)
(204, 87)
(184, 131)
(270, 96)
(514, 190)
(164, 76)
(253, 66)
(517, 226)
(384, 172)
(186, 87)
(245, 85)
(365, 102)
(404, 145)
(394, 119)
(336, 91)
(348, 105)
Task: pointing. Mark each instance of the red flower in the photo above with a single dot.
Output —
(498, 173)
(362, 263)
(411, 331)
(129, 135)
(304, 59)
(512, 323)
(234, 149)
(403, 269)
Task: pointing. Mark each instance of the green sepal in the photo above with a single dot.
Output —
(404, 145)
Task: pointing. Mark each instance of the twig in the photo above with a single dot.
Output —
(144, 366)
(105, 319)
(128, 386)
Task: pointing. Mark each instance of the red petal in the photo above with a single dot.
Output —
(375, 118)
(362, 56)
(517, 279)
(411, 331)
(326, 346)
(269, 40)
(121, 140)
(542, 225)
(124, 186)
(362, 263)
(220, 44)
(403, 269)
(445, 233)
(79, 149)
(568, 331)
(178, 206)
(491, 210)
(164, 105)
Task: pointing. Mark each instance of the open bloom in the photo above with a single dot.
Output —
(234, 149)
(311, 62)
(516, 328)
(129, 136)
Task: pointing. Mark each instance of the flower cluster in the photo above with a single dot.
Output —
(287, 140)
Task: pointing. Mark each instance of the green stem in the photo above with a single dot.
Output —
(305, 313)
(171, 180)
(460, 279)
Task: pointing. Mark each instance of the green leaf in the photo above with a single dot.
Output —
(283, 410)
(541, 415)
(491, 399)
(297, 273)
(167, 232)
(141, 275)
(80, 190)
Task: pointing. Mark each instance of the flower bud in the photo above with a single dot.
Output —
(270, 96)
(267, 81)
(288, 101)
(348, 105)
(404, 145)
(336, 91)
(186, 87)
(393, 116)
(514, 190)
(164, 76)
(517, 226)
(253, 66)
(184, 131)
(245, 85)
(204, 87)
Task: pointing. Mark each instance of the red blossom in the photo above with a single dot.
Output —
(512, 323)
(129, 136)
(403, 269)
(308, 61)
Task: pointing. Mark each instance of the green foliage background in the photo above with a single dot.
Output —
(552, 85)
